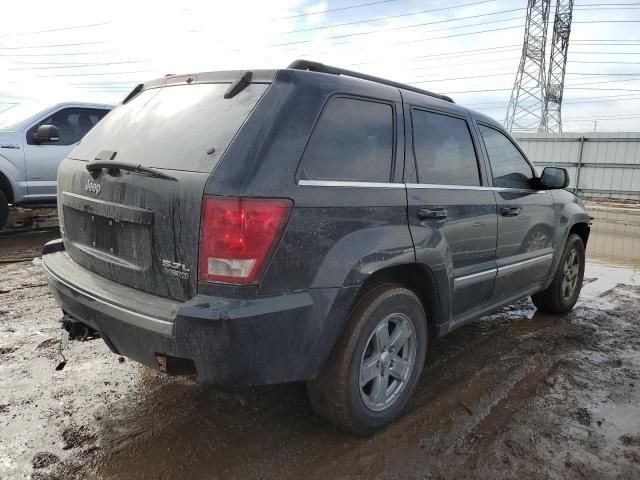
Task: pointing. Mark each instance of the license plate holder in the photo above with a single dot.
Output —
(104, 234)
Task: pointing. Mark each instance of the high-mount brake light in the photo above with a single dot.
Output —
(238, 237)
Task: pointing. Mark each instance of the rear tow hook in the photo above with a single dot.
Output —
(73, 330)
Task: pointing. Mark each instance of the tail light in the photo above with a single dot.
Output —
(238, 237)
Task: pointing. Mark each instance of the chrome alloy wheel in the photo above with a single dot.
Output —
(571, 269)
(387, 361)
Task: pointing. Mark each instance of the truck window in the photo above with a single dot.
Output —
(352, 141)
(72, 123)
(443, 149)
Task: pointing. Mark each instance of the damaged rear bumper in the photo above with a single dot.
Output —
(239, 341)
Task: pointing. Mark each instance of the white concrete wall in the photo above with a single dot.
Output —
(605, 164)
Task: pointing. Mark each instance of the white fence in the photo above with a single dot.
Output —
(599, 164)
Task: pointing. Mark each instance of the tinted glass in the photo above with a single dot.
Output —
(353, 140)
(509, 167)
(173, 127)
(444, 150)
(72, 123)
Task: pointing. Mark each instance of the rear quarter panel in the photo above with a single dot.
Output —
(336, 236)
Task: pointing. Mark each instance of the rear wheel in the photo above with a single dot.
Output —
(377, 362)
(563, 293)
(4, 209)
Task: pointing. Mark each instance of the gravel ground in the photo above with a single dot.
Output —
(515, 395)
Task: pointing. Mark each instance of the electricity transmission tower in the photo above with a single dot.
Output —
(527, 97)
(551, 118)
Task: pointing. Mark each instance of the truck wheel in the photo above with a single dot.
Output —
(563, 293)
(4, 209)
(376, 363)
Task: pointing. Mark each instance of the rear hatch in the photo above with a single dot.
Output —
(130, 225)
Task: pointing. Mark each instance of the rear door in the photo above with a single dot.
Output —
(526, 218)
(140, 230)
(452, 214)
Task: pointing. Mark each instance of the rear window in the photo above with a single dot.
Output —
(444, 150)
(173, 127)
(352, 141)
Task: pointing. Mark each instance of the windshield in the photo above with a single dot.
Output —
(13, 116)
(185, 127)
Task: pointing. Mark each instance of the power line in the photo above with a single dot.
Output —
(418, 40)
(52, 46)
(75, 27)
(53, 54)
(620, 63)
(388, 17)
(85, 65)
(91, 74)
(607, 40)
(605, 4)
(606, 53)
(484, 75)
(333, 10)
(594, 117)
(609, 21)
(380, 30)
(577, 100)
(606, 74)
(459, 53)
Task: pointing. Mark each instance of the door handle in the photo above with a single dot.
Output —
(432, 213)
(510, 211)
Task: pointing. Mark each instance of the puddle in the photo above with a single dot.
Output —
(615, 236)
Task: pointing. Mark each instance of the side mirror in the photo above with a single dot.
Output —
(46, 133)
(554, 178)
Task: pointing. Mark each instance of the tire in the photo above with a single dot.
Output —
(4, 209)
(563, 293)
(337, 395)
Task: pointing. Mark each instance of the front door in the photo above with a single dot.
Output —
(42, 159)
(526, 219)
(452, 215)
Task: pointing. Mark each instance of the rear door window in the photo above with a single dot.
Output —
(173, 127)
(444, 150)
(352, 141)
(509, 168)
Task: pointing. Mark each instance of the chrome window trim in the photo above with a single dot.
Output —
(428, 186)
(474, 278)
(434, 186)
(340, 183)
(525, 263)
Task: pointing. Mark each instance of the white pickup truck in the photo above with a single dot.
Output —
(34, 138)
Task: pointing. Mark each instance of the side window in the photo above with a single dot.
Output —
(352, 141)
(509, 167)
(444, 150)
(72, 123)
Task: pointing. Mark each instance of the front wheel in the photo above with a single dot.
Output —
(563, 293)
(376, 364)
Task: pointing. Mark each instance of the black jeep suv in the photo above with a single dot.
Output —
(309, 223)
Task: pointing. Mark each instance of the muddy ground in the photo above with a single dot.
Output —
(515, 395)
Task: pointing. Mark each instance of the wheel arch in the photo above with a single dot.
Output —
(582, 229)
(6, 187)
(415, 277)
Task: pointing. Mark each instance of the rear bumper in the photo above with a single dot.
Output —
(256, 341)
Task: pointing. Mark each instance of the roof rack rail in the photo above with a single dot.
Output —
(322, 68)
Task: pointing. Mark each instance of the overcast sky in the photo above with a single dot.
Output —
(80, 50)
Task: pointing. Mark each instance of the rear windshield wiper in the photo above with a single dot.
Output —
(110, 164)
